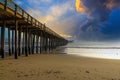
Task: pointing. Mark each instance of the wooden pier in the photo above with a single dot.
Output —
(25, 33)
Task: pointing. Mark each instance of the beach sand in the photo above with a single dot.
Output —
(58, 67)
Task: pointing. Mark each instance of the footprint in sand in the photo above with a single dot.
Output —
(87, 71)
(26, 75)
(18, 76)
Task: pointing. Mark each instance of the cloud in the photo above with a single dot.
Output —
(34, 12)
(97, 25)
(52, 14)
(79, 6)
(18, 2)
(46, 0)
(56, 16)
(56, 12)
(95, 19)
(38, 2)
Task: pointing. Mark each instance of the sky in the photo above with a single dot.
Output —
(58, 15)
(90, 20)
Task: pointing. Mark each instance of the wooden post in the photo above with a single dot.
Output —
(36, 43)
(29, 40)
(19, 41)
(0, 40)
(49, 43)
(16, 40)
(52, 42)
(46, 43)
(9, 42)
(26, 41)
(16, 35)
(12, 41)
(3, 39)
(33, 45)
(41, 42)
(23, 43)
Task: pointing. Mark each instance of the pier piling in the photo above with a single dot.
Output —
(3, 39)
(9, 42)
(28, 35)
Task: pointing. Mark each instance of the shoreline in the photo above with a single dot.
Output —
(59, 67)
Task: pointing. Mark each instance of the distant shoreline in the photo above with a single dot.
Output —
(95, 47)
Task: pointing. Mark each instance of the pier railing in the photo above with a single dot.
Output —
(12, 7)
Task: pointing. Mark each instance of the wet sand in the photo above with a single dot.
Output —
(59, 67)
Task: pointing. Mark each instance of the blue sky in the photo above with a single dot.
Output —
(89, 20)
(58, 15)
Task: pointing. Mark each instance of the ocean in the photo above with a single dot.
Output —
(105, 50)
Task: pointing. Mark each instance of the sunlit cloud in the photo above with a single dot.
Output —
(55, 17)
(60, 17)
(55, 12)
(79, 6)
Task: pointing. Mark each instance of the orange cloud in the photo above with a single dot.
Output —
(79, 6)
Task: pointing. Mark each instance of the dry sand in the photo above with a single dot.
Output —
(58, 67)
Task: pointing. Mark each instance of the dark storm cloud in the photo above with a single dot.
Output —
(102, 22)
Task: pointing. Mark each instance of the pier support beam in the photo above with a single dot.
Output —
(9, 42)
(33, 44)
(19, 41)
(37, 38)
(46, 42)
(29, 42)
(26, 42)
(49, 43)
(3, 39)
(23, 43)
(16, 40)
(16, 34)
(41, 42)
(12, 41)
